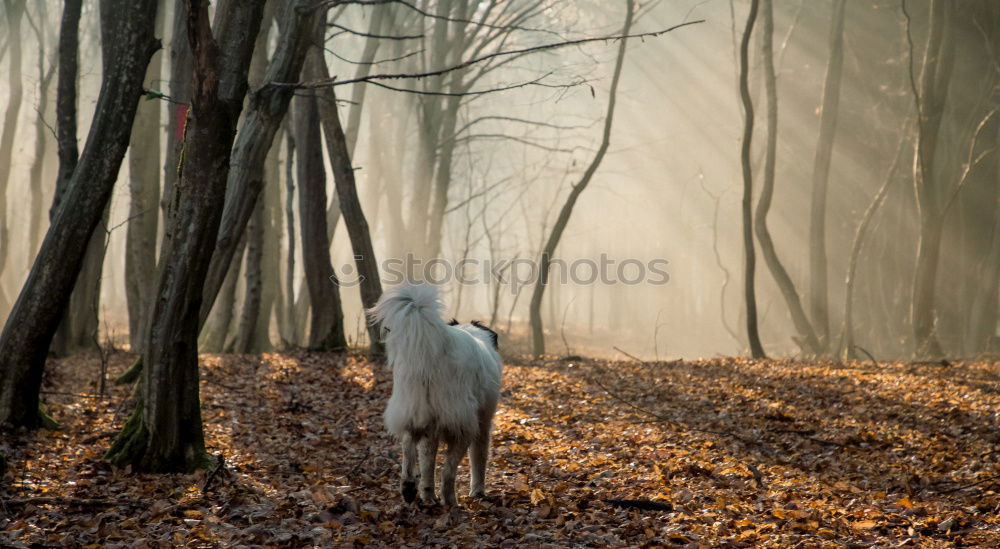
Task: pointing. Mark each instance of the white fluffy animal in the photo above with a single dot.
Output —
(445, 387)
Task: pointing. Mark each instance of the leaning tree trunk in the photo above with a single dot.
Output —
(806, 336)
(267, 108)
(127, 37)
(15, 10)
(537, 334)
(326, 326)
(164, 433)
(367, 275)
(144, 198)
(750, 262)
(818, 292)
(66, 82)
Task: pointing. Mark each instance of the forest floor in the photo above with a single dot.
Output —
(725, 453)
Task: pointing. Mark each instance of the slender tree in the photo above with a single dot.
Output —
(127, 37)
(806, 336)
(829, 113)
(552, 242)
(326, 326)
(164, 433)
(338, 151)
(750, 258)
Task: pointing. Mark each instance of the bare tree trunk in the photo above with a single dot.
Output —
(15, 11)
(818, 292)
(749, 291)
(271, 273)
(144, 194)
(266, 110)
(933, 90)
(368, 278)
(246, 333)
(66, 83)
(376, 27)
(127, 38)
(806, 336)
(537, 333)
(326, 329)
(179, 82)
(289, 332)
(164, 433)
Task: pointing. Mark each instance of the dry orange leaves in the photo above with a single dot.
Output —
(721, 453)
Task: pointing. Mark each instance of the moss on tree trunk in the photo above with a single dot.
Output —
(132, 447)
(132, 374)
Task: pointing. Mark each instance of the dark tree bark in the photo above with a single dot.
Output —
(164, 433)
(326, 326)
(15, 11)
(535, 310)
(267, 108)
(368, 279)
(750, 258)
(818, 292)
(66, 83)
(806, 336)
(69, 45)
(127, 38)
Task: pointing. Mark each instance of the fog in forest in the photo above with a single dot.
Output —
(912, 187)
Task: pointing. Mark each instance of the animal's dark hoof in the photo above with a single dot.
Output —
(409, 491)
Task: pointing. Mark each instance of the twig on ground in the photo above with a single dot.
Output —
(758, 477)
(360, 462)
(220, 466)
(633, 357)
(990, 478)
(643, 504)
(867, 354)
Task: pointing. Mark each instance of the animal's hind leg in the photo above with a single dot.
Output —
(428, 454)
(478, 456)
(408, 480)
(456, 451)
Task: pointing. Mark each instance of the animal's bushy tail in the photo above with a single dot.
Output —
(410, 319)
